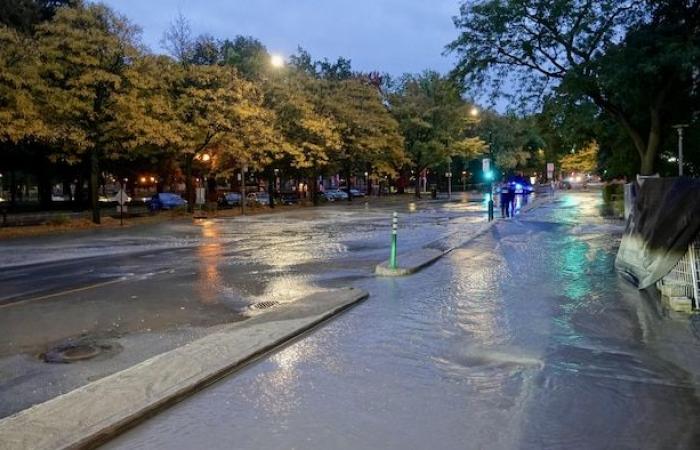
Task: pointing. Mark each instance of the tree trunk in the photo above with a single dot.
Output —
(648, 162)
(347, 182)
(44, 183)
(189, 188)
(313, 185)
(13, 188)
(271, 187)
(94, 181)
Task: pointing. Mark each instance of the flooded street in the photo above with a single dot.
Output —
(143, 290)
(524, 338)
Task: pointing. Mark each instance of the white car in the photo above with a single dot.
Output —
(337, 194)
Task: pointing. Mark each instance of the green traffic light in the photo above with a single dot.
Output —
(488, 175)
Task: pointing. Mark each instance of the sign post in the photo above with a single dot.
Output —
(488, 175)
(122, 199)
(394, 229)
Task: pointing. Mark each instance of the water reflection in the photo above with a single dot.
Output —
(276, 391)
(210, 253)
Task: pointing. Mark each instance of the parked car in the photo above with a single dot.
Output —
(337, 194)
(356, 192)
(230, 200)
(289, 199)
(258, 198)
(165, 200)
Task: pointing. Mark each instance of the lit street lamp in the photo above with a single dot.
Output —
(277, 61)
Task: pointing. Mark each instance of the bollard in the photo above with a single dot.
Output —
(394, 226)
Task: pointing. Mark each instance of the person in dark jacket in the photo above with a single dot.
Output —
(504, 200)
(511, 199)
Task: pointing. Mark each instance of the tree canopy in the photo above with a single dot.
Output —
(633, 59)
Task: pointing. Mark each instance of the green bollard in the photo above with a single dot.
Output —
(394, 226)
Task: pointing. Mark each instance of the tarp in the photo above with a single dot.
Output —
(664, 221)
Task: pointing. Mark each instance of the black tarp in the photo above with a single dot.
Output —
(664, 221)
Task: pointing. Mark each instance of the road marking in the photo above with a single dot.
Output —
(58, 294)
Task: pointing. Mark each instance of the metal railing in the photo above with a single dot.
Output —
(684, 279)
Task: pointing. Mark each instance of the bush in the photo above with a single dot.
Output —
(612, 192)
(59, 219)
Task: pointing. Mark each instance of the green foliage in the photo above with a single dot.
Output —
(246, 54)
(24, 15)
(633, 59)
(584, 160)
(20, 112)
(433, 119)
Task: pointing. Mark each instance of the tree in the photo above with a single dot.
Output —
(370, 136)
(584, 160)
(246, 54)
(310, 136)
(86, 54)
(24, 15)
(631, 58)
(217, 110)
(20, 113)
(433, 119)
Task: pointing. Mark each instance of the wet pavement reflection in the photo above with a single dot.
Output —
(151, 288)
(524, 338)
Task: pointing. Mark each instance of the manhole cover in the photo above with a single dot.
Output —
(77, 351)
(264, 305)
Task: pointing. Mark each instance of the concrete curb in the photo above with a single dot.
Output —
(413, 261)
(92, 414)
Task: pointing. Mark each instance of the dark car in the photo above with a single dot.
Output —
(165, 200)
(289, 199)
(230, 200)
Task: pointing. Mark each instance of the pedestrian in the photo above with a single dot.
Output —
(511, 199)
(504, 200)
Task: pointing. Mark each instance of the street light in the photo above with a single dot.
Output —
(277, 61)
(679, 128)
(474, 112)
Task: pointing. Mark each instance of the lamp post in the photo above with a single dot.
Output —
(679, 128)
(449, 179)
(276, 62)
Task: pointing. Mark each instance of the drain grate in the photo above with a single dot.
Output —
(264, 305)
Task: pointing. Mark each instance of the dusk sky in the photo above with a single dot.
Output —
(393, 36)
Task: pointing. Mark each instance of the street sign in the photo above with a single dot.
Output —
(486, 165)
(550, 171)
(121, 197)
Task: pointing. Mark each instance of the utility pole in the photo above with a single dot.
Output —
(679, 128)
(244, 169)
(449, 179)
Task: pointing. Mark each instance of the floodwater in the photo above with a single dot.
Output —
(524, 338)
(147, 289)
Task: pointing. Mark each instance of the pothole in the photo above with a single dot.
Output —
(75, 351)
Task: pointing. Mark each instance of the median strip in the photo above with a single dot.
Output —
(92, 414)
(412, 261)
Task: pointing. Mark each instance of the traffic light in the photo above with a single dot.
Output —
(488, 175)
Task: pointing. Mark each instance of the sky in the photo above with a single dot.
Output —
(393, 36)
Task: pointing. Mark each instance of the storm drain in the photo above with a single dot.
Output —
(71, 352)
(264, 305)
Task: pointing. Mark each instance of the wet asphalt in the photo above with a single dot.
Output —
(140, 291)
(525, 338)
